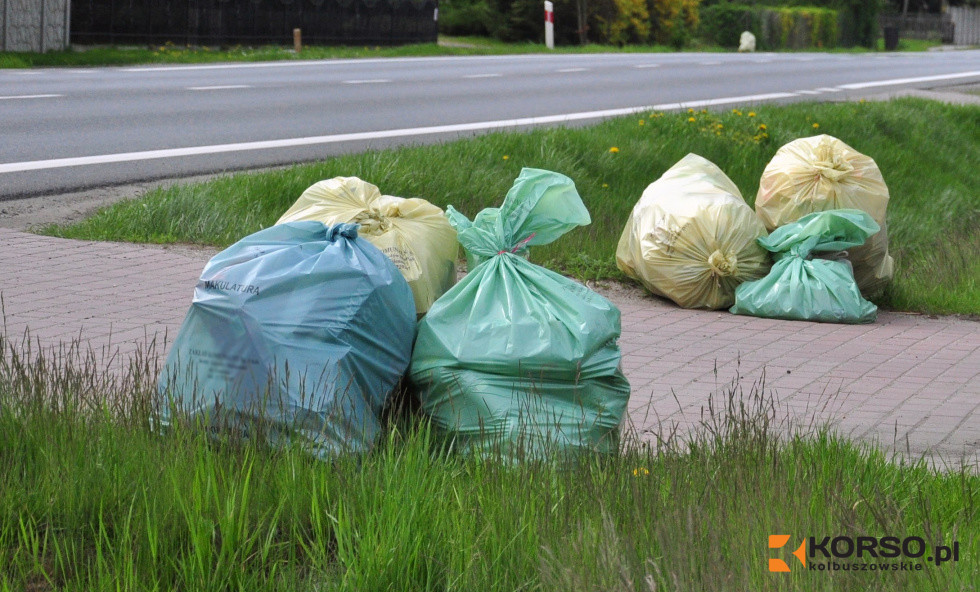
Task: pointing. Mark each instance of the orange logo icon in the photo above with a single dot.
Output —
(778, 541)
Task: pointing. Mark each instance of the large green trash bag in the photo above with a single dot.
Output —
(298, 332)
(516, 356)
(804, 286)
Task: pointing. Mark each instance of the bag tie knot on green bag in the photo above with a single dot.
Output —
(540, 207)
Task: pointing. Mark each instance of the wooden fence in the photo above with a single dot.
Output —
(967, 24)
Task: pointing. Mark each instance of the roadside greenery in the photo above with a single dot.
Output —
(94, 499)
(928, 152)
(182, 54)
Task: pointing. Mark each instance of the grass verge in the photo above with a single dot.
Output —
(928, 152)
(169, 53)
(94, 499)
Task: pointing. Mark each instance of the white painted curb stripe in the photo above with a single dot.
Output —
(36, 165)
(895, 81)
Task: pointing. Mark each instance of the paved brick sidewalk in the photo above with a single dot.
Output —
(908, 381)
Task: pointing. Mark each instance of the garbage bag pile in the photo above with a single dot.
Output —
(413, 233)
(823, 173)
(516, 356)
(692, 238)
(802, 284)
(298, 332)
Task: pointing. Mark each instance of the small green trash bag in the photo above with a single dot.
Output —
(515, 355)
(805, 286)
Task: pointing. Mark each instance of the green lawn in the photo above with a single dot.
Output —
(928, 152)
(180, 54)
(93, 499)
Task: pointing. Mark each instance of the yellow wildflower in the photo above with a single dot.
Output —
(506, 157)
(614, 150)
(691, 119)
(816, 125)
(640, 471)
(690, 110)
(605, 185)
(751, 113)
(762, 126)
(642, 122)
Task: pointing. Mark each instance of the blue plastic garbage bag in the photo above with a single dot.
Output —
(301, 331)
(516, 358)
(805, 285)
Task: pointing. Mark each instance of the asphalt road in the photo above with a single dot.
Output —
(69, 129)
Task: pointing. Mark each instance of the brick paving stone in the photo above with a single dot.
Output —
(908, 381)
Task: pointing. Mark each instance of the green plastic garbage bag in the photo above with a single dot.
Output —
(515, 355)
(298, 332)
(804, 286)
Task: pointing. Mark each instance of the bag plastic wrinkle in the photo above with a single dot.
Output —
(692, 238)
(515, 355)
(413, 233)
(299, 331)
(809, 282)
(823, 173)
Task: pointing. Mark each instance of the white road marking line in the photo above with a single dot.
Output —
(829, 89)
(35, 165)
(807, 92)
(858, 85)
(368, 81)
(641, 66)
(219, 87)
(567, 70)
(710, 63)
(14, 97)
(482, 76)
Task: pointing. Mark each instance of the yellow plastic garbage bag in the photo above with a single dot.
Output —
(823, 173)
(692, 238)
(413, 233)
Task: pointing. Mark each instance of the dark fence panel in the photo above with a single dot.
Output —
(936, 27)
(254, 22)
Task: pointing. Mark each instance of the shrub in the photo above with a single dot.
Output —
(673, 22)
(775, 28)
(623, 21)
(723, 23)
(465, 17)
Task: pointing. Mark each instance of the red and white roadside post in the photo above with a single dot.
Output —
(549, 24)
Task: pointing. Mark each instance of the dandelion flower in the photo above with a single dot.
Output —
(641, 471)
(614, 150)
(642, 122)
(506, 157)
(762, 126)
(751, 113)
(691, 119)
(816, 125)
(690, 110)
(605, 185)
